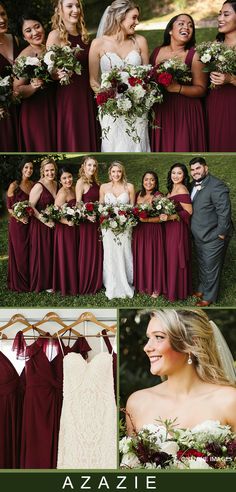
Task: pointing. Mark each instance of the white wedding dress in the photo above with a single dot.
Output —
(88, 425)
(117, 257)
(117, 139)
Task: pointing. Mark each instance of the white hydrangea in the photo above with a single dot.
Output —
(124, 444)
(32, 60)
(124, 104)
(158, 432)
(138, 92)
(205, 58)
(211, 428)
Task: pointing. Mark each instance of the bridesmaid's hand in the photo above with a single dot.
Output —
(61, 73)
(174, 87)
(36, 83)
(2, 112)
(50, 224)
(220, 78)
(24, 220)
(92, 218)
(163, 217)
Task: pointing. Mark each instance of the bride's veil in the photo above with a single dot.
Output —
(225, 355)
(102, 23)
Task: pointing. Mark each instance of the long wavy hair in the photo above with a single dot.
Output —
(116, 14)
(47, 160)
(58, 23)
(186, 179)
(190, 332)
(221, 36)
(121, 166)
(24, 161)
(167, 38)
(82, 174)
(156, 188)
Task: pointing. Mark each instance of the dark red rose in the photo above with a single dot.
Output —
(122, 87)
(143, 214)
(231, 449)
(121, 212)
(134, 81)
(102, 97)
(102, 218)
(165, 78)
(89, 207)
(135, 211)
(29, 211)
(188, 453)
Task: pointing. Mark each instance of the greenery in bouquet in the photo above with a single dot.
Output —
(63, 58)
(51, 213)
(128, 92)
(172, 69)
(6, 95)
(71, 214)
(31, 67)
(22, 210)
(217, 57)
(89, 210)
(209, 445)
(118, 219)
(163, 205)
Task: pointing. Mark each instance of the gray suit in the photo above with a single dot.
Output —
(211, 218)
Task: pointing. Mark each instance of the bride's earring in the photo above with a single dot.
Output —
(189, 359)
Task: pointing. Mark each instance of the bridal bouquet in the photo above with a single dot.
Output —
(31, 67)
(172, 69)
(117, 218)
(72, 214)
(128, 92)
(63, 58)
(206, 446)
(217, 57)
(22, 210)
(51, 213)
(6, 95)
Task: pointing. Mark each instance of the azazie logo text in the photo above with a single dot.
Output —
(110, 481)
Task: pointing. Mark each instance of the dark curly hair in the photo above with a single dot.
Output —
(221, 36)
(24, 161)
(143, 191)
(186, 180)
(166, 37)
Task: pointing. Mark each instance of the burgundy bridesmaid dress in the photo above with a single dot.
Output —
(37, 121)
(18, 278)
(90, 250)
(221, 118)
(65, 258)
(178, 252)
(8, 125)
(41, 247)
(43, 403)
(149, 258)
(179, 120)
(77, 127)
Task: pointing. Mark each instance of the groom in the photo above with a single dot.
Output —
(211, 228)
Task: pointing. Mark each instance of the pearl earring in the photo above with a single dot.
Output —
(189, 359)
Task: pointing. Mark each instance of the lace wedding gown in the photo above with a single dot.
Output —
(87, 437)
(118, 258)
(117, 139)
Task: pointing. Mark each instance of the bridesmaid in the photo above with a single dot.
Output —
(148, 243)
(76, 109)
(8, 52)
(90, 247)
(221, 101)
(179, 120)
(178, 240)
(66, 240)
(41, 235)
(38, 100)
(18, 244)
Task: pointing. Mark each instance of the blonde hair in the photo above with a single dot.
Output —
(190, 331)
(58, 23)
(121, 166)
(116, 14)
(47, 160)
(81, 174)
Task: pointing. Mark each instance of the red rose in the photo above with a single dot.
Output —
(102, 218)
(102, 97)
(135, 211)
(165, 78)
(121, 212)
(143, 214)
(134, 80)
(188, 453)
(29, 211)
(89, 207)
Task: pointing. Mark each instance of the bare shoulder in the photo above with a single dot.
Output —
(130, 186)
(183, 190)
(25, 52)
(104, 186)
(141, 397)
(53, 37)
(141, 40)
(12, 187)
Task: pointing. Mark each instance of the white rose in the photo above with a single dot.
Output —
(124, 445)
(130, 460)
(5, 81)
(113, 224)
(48, 59)
(170, 447)
(32, 60)
(199, 463)
(123, 219)
(150, 465)
(70, 211)
(205, 58)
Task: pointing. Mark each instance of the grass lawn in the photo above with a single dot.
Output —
(222, 166)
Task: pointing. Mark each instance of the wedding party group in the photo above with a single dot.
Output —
(77, 239)
(109, 95)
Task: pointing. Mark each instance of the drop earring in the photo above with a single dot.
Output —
(189, 359)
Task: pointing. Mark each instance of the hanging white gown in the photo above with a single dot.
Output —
(117, 139)
(117, 257)
(88, 425)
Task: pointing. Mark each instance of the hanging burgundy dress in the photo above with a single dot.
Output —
(65, 258)
(221, 118)
(8, 124)
(18, 248)
(149, 258)
(178, 252)
(43, 403)
(114, 358)
(90, 258)
(179, 120)
(77, 126)
(41, 247)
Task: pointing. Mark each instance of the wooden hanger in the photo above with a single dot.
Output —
(51, 317)
(90, 317)
(17, 318)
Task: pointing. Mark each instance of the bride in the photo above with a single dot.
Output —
(188, 350)
(119, 46)
(118, 259)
